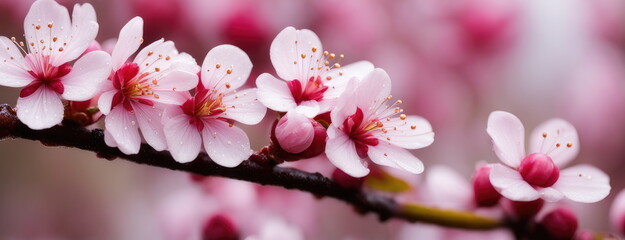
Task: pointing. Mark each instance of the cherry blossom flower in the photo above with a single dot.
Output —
(133, 97)
(52, 41)
(365, 125)
(310, 81)
(527, 177)
(208, 117)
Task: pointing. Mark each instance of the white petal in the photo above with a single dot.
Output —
(274, 93)
(400, 132)
(341, 76)
(509, 183)
(342, 153)
(42, 109)
(560, 134)
(109, 140)
(149, 118)
(393, 156)
(42, 13)
(372, 90)
(309, 108)
(177, 80)
(447, 188)
(185, 62)
(83, 82)
(288, 47)
(345, 106)
(13, 70)
(550, 194)
(227, 145)
(223, 59)
(168, 97)
(105, 101)
(148, 58)
(508, 136)
(124, 129)
(583, 183)
(84, 29)
(183, 138)
(244, 107)
(130, 38)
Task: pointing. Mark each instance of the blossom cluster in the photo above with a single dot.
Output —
(345, 114)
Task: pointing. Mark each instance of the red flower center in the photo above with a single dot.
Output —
(130, 86)
(206, 103)
(360, 133)
(46, 74)
(313, 90)
(539, 170)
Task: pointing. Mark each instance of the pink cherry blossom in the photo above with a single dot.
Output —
(208, 117)
(52, 40)
(527, 177)
(133, 97)
(365, 125)
(617, 213)
(311, 80)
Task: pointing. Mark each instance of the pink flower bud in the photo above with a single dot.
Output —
(617, 212)
(220, 227)
(484, 193)
(559, 224)
(83, 113)
(539, 170)
(296, 137)
(525, 210)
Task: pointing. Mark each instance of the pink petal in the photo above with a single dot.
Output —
(511, 185)
(227, 145)
(560, 134)
(244, 107)
(373, 89)
(168, 97)
(288, 47)
(42, 109)
(13, 70)
(124, 129)
(105, 101)
(294, 132)
(550, 194)
(393, 156)
(148, 58)
(225, 68)
(177, 80)
(341, 152)
(185, 62)
(274, 93)
(183, 138)
(84, 29)
(401, 133)
(508, 136)
(130, 38)
(583, 183)
(83, 82)
(40, 14)
(149, 118)
(109, 140)
(345, 106)
(309, 108)
(341, 76)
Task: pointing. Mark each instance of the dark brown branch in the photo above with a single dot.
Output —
(252, 171)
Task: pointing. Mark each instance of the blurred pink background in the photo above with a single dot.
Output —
(452, 62)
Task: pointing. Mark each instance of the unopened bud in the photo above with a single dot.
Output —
(617, 212)
(296, 137)
(559, 224)
(484, 193)
(220, 227)
(525, 210)
(83, 113)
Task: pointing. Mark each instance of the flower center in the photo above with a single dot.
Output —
(539, 170)
(206, 103)
(131, 85)
(361, 133)
(44, 73)
(312, 90)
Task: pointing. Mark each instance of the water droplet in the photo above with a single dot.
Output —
(133, 122)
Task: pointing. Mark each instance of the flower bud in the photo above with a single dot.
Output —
(617, 213)
(539, 170)
(220, 227)
(83, 113)
(484, 193)
(296, 137)
(525, 210)
(559, 224)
